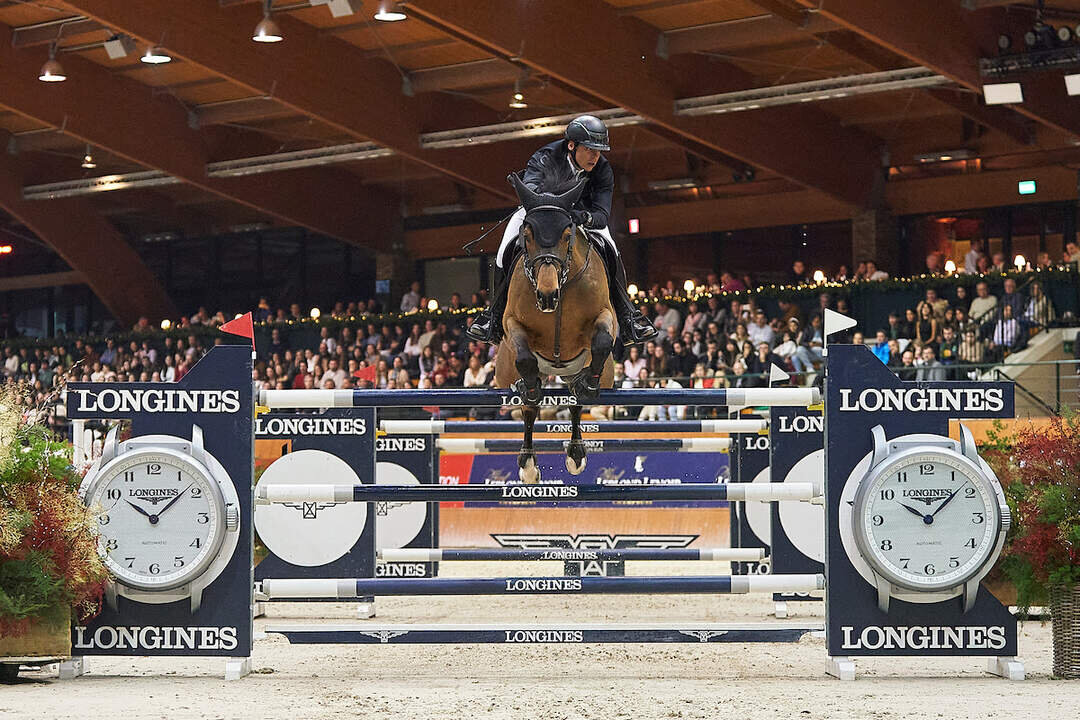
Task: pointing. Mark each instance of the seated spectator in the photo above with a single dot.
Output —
(762, 363)
(928, 367)
(938, 305)
(961, 298)
(895, 329)
(873, 273)
(982, 265)
(926, 330)
(982, 303)
(682, 362)
(759, 330)
(1043, 261)
(695, 318)
(906, 370)
(935, 263)
(1040, 311)
(1072, 252)
(666, 317)
(730, 283)
(997, 262)
(657, 363)
(1007, 335)
(634, 363)
(894, 353)
(881, 347)
(411, 300)
(949, 348)
(798, 273)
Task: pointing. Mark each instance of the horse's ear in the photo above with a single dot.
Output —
(571, 196)
(525, 194)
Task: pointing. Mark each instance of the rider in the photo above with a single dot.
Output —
(575, 157)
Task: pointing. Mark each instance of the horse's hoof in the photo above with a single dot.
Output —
(573, 467)
(529, 473)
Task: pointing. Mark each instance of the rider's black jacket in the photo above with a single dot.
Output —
(552, 161)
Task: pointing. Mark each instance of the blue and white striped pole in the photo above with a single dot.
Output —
(481, 397)
(568, 554)
(350, 588)
(472, 634)
(694, 445)
(684, 632)
(478, 427)
(732, 492)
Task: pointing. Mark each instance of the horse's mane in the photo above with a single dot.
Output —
(553, 182)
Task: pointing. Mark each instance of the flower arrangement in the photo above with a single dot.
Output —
(50, 569)
(1039, 469)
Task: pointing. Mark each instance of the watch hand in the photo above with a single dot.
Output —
(947, 500)
(911, 510)
(171, 502)
(137, 508)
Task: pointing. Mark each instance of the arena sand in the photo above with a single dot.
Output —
(546, 682)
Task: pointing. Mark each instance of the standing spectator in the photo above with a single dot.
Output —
(411, 300)
(971, 258)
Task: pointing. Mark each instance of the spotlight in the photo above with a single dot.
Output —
(155, 56)
(390, 12)
(517, 100)
(267, 31)
(88, 160)
(52, 70)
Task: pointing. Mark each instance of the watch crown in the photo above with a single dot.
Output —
(232, 518)
(1006, 517)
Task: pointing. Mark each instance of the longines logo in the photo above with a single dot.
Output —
(546, 401)
(400, 570)
(109, 400)
(920, 637)
(108, 637)
(400, 444)
(927, 495)
(294, 426)
(154, 495)
(923, 400)
(801, 424)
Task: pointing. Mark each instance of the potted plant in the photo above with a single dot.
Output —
(50, 570)
(1039, 469)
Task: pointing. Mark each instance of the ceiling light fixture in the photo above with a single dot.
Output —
(155, 56)
(267, 31)
(119, 46)
(947, 155)
(1003, 93)
(390, 12)
(52, 70)
(88, 159)
(517, 100)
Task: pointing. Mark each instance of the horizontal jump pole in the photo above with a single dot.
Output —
(693, 445)
(350, 588)
(483, 397)
(687, 632)
(439, 427)
(568, 554)
(732, 492)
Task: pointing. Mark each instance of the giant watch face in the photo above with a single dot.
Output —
(926, 519)
(161, 518)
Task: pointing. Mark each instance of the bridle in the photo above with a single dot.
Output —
(564, 263)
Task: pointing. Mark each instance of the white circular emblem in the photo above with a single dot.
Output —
(804, 523)
(310, 534)
(397, 523)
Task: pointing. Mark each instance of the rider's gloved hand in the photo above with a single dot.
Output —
(582, 217)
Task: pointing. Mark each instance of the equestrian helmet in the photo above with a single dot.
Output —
(590, 131)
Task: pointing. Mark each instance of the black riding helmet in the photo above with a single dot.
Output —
(590, 131)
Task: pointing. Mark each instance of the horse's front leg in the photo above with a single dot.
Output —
(575, 449)
(586, 384)
(528, 387)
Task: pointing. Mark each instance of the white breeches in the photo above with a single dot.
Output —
(513, 227)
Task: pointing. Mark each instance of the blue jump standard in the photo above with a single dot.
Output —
(481, 397)
(689, 632)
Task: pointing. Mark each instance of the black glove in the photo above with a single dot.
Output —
(581, 217)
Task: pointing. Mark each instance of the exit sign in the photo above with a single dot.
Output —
(1026, 187)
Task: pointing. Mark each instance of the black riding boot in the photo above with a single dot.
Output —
(633, 327)
(487, 325)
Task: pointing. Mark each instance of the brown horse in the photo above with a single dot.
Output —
(558, 318)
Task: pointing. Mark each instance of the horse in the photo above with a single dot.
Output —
(558, 318)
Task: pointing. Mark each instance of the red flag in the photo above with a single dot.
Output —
(243, 327)
(365, 373)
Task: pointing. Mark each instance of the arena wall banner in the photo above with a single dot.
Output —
(210, 620)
